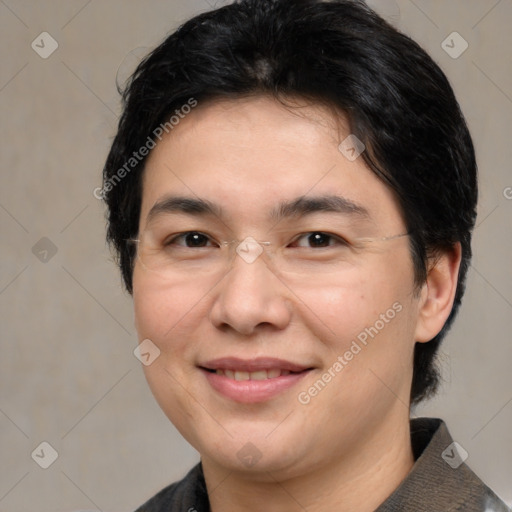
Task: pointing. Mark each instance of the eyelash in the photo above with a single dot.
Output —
(331, 236)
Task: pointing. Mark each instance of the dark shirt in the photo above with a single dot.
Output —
(438, 482)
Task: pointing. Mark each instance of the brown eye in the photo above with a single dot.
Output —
(190, 239)
(318, 239)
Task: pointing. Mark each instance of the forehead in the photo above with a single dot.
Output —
(250, 155)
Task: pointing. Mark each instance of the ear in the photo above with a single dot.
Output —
(438, 293)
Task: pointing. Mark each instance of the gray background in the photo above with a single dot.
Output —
(68, 373)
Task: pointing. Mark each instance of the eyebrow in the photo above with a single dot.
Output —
(188, 205)
(299, 207)
(303, 206)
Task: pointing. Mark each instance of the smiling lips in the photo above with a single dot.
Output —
(258, 375)
(252, 381)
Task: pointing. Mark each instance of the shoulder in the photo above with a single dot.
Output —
(440, 480)
(187, 495)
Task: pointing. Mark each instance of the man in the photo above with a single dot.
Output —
(291, 195)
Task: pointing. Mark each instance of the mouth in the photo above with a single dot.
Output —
(252, 381)
(241, 375)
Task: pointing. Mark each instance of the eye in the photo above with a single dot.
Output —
(190, 239)
(318, 239)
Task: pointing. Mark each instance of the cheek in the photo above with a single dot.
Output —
(370, 356)
(162, 309)
(344, 307)
(370, 313)
(165, 315)
(153, 314)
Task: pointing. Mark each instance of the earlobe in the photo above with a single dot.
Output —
(438, 293)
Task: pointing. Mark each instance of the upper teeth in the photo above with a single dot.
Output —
(259, 375)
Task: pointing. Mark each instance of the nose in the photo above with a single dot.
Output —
(251, 297)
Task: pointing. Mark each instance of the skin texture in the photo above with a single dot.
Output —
(349, 447)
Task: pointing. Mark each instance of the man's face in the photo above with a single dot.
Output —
(243, 344)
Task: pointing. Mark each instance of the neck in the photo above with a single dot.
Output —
(357, 481)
